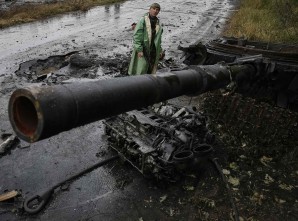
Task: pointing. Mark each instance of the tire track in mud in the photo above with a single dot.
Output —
(208, 24)
(212, 21)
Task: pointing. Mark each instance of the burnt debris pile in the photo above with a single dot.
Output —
(163, 141)
(59, 68)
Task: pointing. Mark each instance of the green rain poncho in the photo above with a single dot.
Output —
(142, 40)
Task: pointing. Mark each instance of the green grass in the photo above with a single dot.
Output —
(28, 13)
(265, 20)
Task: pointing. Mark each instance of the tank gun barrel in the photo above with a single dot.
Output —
(39, 112)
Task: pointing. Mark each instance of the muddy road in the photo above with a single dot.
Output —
(88, 46)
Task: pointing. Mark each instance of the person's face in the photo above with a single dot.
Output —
(154, 11)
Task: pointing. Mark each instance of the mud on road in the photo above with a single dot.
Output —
(91, 46)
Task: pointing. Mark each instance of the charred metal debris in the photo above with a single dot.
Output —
(163, 141)
(77, 64)
(276, 81)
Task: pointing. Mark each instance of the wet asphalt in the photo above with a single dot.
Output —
(115, 191)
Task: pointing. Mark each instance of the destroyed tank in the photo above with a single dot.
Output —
(277, 79)
(262, 110)
(162, 140)
(166, 141)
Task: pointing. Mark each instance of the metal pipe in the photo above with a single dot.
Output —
(37, 113)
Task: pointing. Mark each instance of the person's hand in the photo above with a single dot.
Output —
(133, 26)
(140, 54)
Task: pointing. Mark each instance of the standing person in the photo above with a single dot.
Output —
(146, 43)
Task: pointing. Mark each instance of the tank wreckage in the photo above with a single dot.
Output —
(161, 140)
(276, 80)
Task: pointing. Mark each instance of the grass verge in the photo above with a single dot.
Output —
(32, 12)
(265, 20)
